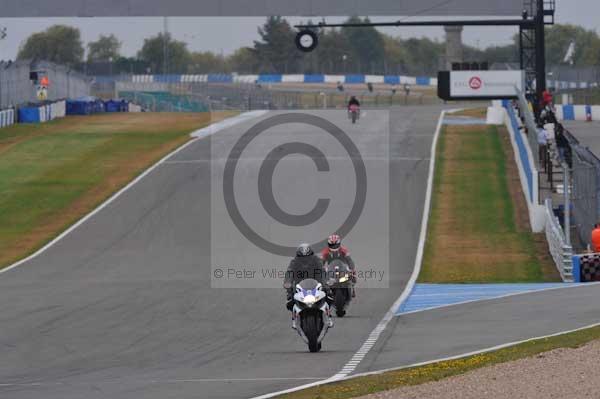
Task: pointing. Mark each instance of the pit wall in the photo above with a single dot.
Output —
(528, 172)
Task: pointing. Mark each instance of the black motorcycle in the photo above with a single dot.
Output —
(341, 283)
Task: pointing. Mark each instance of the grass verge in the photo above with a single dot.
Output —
(477, 232)
(53, 174)
(480, 112)
(436, 371)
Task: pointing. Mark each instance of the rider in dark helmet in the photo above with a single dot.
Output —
(305, 265)
(353, 101)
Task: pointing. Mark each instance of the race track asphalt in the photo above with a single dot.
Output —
(588, 133)
(459, 329)
(122, 307)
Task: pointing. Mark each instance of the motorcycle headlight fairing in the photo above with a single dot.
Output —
(309, 300)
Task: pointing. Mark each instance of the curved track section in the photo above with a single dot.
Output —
(122, 306)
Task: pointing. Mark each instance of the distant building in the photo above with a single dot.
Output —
(454, 46)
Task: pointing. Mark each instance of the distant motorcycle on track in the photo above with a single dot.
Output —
(354, 112)
(340, 281)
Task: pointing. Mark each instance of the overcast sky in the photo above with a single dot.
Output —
(227, 34)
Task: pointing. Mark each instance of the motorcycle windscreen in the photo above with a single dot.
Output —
(309, 286)
(339, 264)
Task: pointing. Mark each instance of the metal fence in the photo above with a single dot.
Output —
(16, 86)
(251, 96)
(562, 253)
(585, 189)
(529, 122)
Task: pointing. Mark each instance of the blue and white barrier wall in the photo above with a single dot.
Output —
(7, 118)
(43, 113)
(569, 112)
(310, 78)
(528, 173)
(279, 78)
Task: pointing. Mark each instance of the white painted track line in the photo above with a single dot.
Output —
(202, 133)
(390, 314)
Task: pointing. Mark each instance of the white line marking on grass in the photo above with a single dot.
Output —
(205, 133)
(390, 314)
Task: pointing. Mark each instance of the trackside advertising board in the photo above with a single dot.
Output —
(474, 85)
(485, 83)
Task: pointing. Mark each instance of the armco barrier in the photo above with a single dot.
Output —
(561, 252)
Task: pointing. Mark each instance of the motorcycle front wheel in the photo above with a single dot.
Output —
(340, 302)
(310, 326)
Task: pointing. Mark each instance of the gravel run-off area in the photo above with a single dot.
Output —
(562, 373)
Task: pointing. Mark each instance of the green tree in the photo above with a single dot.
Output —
(153, 52)
(104, 49)
(207, 62)
(423, 55)
(244, 60)
(276, 49)
(367, 46)
(558, 39)
(395, 55)
(59, 44)
(334, 52)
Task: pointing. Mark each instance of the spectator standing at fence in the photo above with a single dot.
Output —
(561, 143)
(547, 99)
(542, 140)
(596, 238)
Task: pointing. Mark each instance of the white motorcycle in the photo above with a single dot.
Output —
(311, 315)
